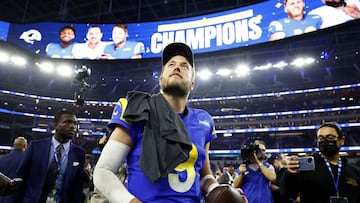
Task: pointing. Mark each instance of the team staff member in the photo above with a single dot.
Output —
(10, 162)
(333, 180)
(53, 168)
(166, 150)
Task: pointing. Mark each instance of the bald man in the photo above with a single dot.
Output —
(10, 162)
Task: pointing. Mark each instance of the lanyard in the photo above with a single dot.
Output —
(60, 162)
(336, 183)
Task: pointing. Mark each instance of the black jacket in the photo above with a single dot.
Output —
(317, 186)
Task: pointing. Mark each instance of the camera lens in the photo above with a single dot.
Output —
(309, 160)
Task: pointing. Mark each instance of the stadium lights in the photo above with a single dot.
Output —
(223, 72)
(18, 61)
(263, 67)
(280, 65)
(242, 70)
(4, 57)
(300, 62)
(46, 67)
(64, 71)
(204, 74)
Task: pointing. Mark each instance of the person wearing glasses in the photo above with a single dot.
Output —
(333, 180)
(256, 174)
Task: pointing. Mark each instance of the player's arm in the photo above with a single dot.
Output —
(105, 179)
(207, 180)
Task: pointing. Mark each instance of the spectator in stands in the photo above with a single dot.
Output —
(217, 174)
(228, 175)
(333, 180)
(256, 175)
(10, 162)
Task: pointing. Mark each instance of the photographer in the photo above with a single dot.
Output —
(333, 178)
(255, 174)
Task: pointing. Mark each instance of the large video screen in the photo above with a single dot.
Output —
(259, 23)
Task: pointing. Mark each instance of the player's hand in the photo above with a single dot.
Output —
(106, 56)
(352, 10)
(135, 200)
(292, 165)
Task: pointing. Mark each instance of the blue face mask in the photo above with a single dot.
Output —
(328, 148)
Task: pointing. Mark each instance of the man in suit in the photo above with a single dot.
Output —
(10, 162)
(52, 173)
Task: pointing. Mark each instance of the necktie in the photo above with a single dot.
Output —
(59, 150)
(54, 170)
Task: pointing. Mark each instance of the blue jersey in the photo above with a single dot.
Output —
(293, 27)
(256, 186)
(54, 50)
(129, 50)
(183, 183)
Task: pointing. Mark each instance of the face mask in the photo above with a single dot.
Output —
(328, 148)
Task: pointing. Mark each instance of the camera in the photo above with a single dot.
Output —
(247, 152)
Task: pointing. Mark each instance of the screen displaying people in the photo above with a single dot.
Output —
(244, 26)
(335, 12)
(121, 48)
(296, 23)
(93, 48)
(64, 48)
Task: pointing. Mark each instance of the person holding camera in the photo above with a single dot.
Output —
(332, 179)
(255, 174)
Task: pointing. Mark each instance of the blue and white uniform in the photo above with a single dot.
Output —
(54, 50)
(183, 183)
(129, 50)
(293, 27)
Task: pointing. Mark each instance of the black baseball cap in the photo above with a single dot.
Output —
(177, 48)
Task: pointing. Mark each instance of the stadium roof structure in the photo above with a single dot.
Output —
(111, 11)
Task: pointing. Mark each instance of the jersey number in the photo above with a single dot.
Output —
(189, 168)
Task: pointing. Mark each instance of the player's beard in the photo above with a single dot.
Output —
(335, 4)
(66, 42)
(177, 89)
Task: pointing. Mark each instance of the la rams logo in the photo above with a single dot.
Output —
(31, 36)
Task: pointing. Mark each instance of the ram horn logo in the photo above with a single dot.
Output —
(30, 36)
